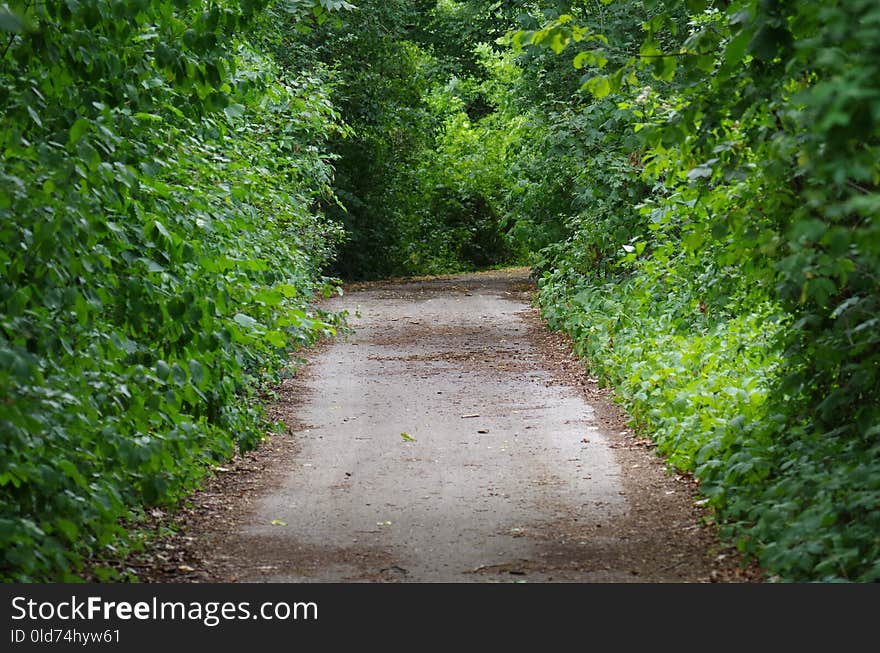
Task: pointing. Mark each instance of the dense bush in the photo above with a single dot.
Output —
(734, 304)
(420, 175)
(159, 245)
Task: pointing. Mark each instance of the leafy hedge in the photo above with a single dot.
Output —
(723, 270)
(159, 245)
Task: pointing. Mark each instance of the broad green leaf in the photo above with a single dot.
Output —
(270, 297)
(196, 372)
(245, 320)
(68, 528)
(664, 67)
(736, 49)
(276, 338)
(768, 42)
(234, 111)
(77, 129)
(599, 86)
(700, 172)
(288, 290)
(163, 370)
(178, 375)
(162, 230)
(149, 117)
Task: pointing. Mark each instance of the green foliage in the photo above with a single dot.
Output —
(160, 243)
(417, 181)
(735, 308)
(696, 184)
(458, 187)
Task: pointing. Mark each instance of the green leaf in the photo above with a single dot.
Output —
(196, 372)
(407, 437)
(769, 41)
(523, 37)
(595, 58)
(288, 290)
(599, 86)
(72, 471)
(178, 375)
(559, 40)
(664, 67)
(163, 370)
(162, 230)
(650, 50)
(810, 230)
(277, 338)
(149, 117)
(736, 48)
(245, 320)
(67, 528)
(34, 116)
(77, 129)
(10, 22)
(700, 172)
(151, 265)
(234, 111)
(270, 297)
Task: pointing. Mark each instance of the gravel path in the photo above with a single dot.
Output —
(449, 438)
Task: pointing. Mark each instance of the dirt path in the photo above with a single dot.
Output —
(450, 438)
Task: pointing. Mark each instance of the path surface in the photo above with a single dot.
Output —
(509, 470)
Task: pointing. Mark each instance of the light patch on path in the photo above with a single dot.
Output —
(449, 438)
(496, 458)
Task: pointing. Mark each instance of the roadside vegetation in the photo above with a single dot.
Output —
(695, 185)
